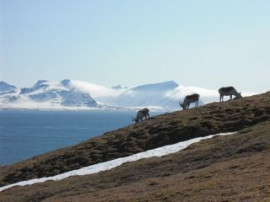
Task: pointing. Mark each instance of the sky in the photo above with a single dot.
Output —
(205, 43)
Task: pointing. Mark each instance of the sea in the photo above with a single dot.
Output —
(25, 134)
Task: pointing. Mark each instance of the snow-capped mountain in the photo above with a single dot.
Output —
(84, 95)
(45, 94)
(62, 93)
(6, 88)
(7, 92)
(153, 95)
(164, 95)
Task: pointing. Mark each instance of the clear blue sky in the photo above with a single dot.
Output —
(196, 43)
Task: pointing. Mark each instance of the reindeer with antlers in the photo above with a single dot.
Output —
(228, 91)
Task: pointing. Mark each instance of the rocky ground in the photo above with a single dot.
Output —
(225, 168)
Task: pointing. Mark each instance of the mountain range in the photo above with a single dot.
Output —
(72, 94)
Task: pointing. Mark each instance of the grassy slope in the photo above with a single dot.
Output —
(158, 131)
(224, 168)
(153, 133)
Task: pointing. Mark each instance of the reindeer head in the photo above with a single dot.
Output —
(135, 119)
(239, 95)
(182, 105)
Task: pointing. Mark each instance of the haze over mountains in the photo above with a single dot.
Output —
(71, 94)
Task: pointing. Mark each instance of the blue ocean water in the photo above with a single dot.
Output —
(24, 134)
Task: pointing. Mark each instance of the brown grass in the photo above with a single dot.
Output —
(220, 169)
(225, 168)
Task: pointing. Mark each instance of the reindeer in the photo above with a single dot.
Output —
(189, 99)
(228, 91)
(143, 113)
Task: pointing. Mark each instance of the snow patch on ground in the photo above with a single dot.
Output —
(158, 152)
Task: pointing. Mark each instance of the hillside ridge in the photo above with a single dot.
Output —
(155, 132)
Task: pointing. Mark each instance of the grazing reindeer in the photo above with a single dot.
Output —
(189, 99)
(143, 113)
(228, 91)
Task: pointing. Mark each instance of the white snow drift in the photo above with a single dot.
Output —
(158, 152)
